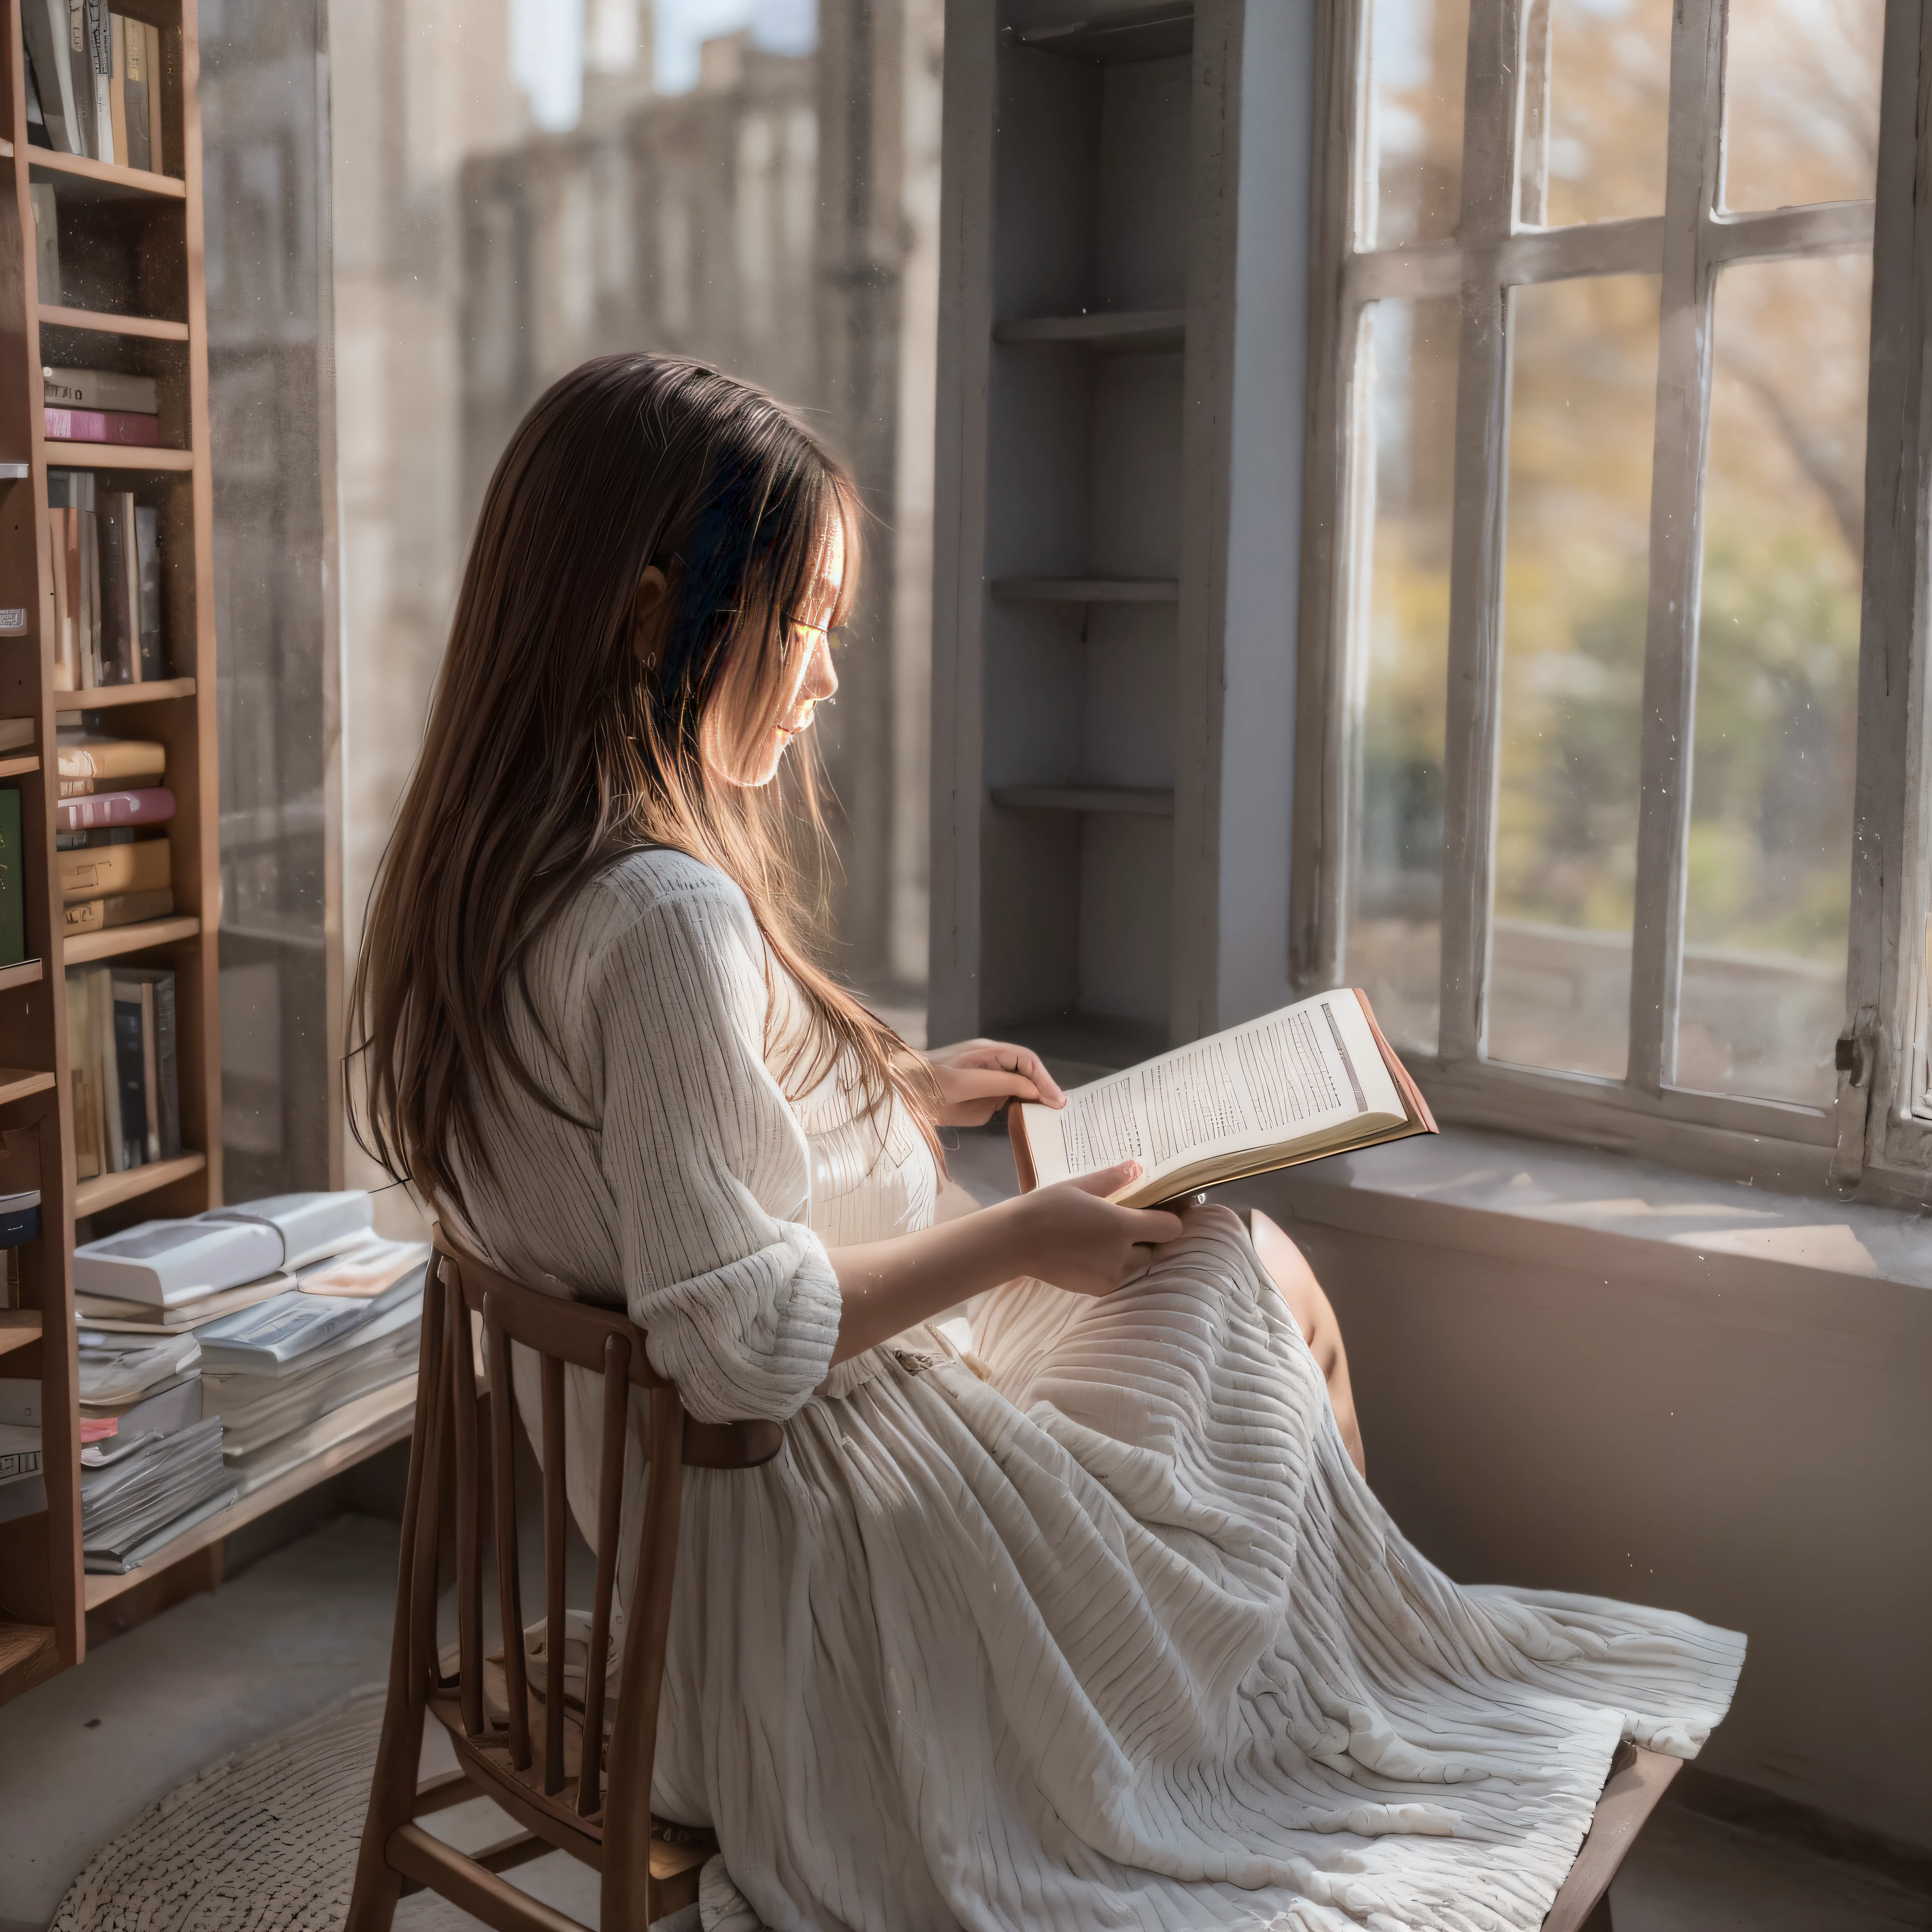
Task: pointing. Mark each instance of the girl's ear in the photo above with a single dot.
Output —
(648, 609)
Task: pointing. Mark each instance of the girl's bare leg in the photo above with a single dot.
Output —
(1288, 1268)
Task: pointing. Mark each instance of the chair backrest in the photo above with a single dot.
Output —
(605, 1343)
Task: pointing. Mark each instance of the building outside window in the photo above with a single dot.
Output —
(1588, 578)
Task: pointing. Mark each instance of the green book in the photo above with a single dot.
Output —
(12, 882)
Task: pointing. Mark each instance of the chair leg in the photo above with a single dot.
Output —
(1599, 1920)
(392, 1794)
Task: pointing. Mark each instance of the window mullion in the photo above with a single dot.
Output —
(1676, 539)
(1490, 123)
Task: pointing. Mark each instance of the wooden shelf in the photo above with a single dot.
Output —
(25, 974)
(1155, 32)
(19, 1328)
(104, 181)
(114, 941)
(115, 456)
(1117, 330)
(1154, 802)
(17, 1082)
(17, 767)
(149, 327)
(29, 1653)
(1087, 590)
(104, 696)
(394, 1426)
(109, 1190)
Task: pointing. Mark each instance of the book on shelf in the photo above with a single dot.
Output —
(136, 1317)
(87, 758)
(163, 1264)
(13, 880)
(93, 841)
(1310, 1080)
(153, 805)
(123, 1060)
(135, 67)
(312, 1225)
(44, 27)
(365, 1271)
(143, 864)
(117, 86)
(100, 389)
(20, 1218)
(122, 427)
(19, 1450)
(105, 568)
(117, 909)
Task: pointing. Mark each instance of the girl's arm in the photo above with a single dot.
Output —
(1069, 1234)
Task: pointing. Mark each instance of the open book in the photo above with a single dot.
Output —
(1313, 1079)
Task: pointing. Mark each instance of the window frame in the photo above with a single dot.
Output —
(1869, 1140)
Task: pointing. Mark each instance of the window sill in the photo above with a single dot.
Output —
(1535, 1201)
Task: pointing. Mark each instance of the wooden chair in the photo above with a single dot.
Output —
(543, 1765)
(547, 1763)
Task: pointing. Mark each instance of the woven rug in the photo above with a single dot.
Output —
(263, 1841)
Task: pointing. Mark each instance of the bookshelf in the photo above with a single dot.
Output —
(131, 299)
(1085, 331)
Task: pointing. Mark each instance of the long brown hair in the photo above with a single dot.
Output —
(554, 747)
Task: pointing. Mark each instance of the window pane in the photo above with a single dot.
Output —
(1406, 400)
(1583, 398)
(1769, 898)
(1417, 55)
(1596, 109)
(1801, 90)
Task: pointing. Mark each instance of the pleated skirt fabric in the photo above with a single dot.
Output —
(1098, 1627)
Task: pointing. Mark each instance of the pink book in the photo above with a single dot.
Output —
(148, 807)
(119, 426)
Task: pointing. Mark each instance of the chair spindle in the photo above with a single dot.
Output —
(609, 1516)
(469, 1518)
(555, 1511)
(503, 1474)
(422, 1558)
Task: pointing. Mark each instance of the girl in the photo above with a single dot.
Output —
(1093, 1623)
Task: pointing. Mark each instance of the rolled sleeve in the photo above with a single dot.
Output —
(706, 1165)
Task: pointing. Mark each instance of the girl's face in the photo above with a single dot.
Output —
(810, 681)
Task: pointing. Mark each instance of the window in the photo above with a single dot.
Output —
(1607, 782)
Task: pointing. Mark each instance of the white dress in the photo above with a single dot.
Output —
(1109, 1636)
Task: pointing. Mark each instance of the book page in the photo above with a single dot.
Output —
(1292, 1075)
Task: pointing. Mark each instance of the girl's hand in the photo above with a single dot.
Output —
(976, 1077)
(1072, 1236)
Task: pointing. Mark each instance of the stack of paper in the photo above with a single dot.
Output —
(144, 1491)
(280, 1374)
(187, 1325)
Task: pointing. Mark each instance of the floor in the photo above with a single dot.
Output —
(82, 1755)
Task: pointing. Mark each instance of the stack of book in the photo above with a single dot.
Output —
(94, 83)
(102, 406)
(122, 1059)
(105, 565)
(303, 1320)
